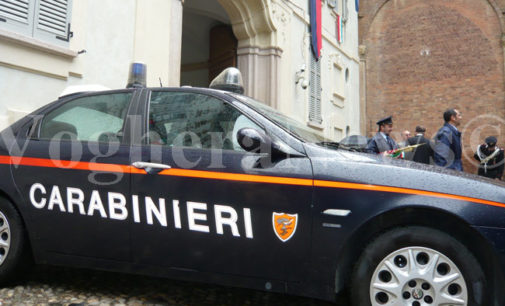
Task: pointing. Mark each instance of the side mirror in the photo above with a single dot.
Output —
(256, 141)
(253, 140)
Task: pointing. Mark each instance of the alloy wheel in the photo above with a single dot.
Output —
(417, 276)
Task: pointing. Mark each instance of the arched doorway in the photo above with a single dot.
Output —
(208, 42)
(252, 44)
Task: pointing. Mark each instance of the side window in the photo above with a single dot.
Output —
(96, 118)
(194, 120)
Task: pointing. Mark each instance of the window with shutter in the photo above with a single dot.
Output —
(315, 91)
(319, 118)
(16, 16)
(46, 20)
(312, 95)
(15, 10)
(53, 21)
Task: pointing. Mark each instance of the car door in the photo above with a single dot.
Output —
(217, 208)
(74, 177)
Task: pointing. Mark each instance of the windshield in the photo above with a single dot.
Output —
(291, 125)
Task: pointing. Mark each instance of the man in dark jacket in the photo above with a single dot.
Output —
(491, 160)
(423, 153)
(448, 142)
(382, 142)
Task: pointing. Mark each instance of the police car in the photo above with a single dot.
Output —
(213, 186)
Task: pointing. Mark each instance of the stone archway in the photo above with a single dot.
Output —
(255, 24)
(259, 51)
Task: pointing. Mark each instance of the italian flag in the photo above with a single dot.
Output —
(399, 154)
(340, 37)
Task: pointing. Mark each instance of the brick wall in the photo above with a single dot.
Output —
(423, 57)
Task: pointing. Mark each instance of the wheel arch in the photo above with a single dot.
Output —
(419, 216)
(6, 196)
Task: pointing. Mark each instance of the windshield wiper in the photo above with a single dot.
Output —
(329, 144)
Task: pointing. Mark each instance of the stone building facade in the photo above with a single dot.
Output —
(419, 58)
(183, 42)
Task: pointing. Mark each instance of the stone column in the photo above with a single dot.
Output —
(362, 90)
(260, 70)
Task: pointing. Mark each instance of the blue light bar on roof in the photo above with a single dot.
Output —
(137, 75)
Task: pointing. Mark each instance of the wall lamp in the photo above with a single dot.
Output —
(300, 78)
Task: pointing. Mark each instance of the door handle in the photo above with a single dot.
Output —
(150, 167)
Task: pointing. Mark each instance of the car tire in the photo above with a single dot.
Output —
(414, 266)
(13, 243)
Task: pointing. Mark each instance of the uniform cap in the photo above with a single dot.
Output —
(491, 141)
(387, 120)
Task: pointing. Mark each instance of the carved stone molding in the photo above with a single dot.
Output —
(281, 15)
(335, 59)
(252, 22)
(282, 20)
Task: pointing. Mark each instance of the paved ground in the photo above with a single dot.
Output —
(59, 286)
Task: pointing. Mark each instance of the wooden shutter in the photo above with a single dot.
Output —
(319, 118)
(312, 96)
(15, 10)
(16, 15)
(52, 21)
(315, 91)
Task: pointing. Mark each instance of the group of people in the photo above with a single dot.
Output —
(445, 148)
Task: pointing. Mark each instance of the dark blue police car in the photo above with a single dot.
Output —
(208, 185)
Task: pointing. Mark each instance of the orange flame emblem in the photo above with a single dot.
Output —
(284, 225)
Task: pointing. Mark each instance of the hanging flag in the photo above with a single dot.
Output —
(315, 27)
(356, 2)
(339, 29)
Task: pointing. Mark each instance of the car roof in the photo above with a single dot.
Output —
(216, 92)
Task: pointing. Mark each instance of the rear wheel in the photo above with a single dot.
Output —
(417, 266)
(13, 255)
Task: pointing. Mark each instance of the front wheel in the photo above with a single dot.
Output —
(13, 245)
(417, 266)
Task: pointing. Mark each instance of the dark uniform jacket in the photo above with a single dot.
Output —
(378, 144)
(422, 153)
(448, 148)
(492, 168)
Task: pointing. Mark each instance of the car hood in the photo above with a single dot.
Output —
(341, 165)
